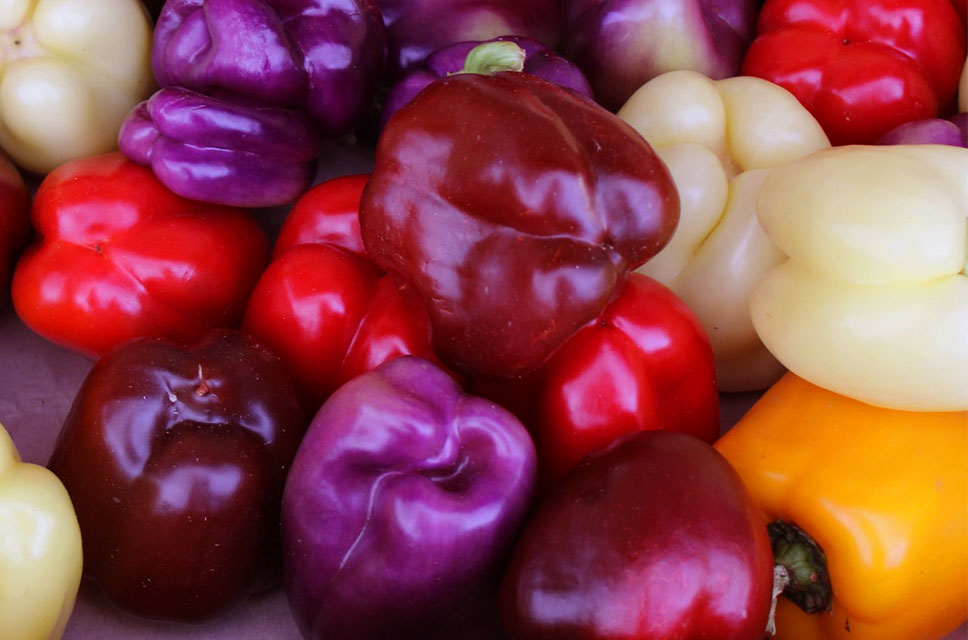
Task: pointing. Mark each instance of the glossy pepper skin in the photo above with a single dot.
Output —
(881, 491)
(221, 151)
(14, 219)
(720, 139)
(873, 300)
(622, 44)
(402, 504)
(514, 208)
(323, 306)
(322, 56)
(69, 72)
(861, 67)
(536, 58)
(40, 558)
(654, 538)
(175, 457)
(417, 28)
(644, 363)
(117, 255)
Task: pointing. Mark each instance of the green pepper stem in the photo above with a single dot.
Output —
(807, 581)
(492, 57)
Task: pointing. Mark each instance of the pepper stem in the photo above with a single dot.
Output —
(492, 57)
(804, 565)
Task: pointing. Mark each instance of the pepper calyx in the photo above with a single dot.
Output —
(805, 565)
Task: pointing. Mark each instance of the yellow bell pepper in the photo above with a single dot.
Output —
(884, 493)
(70, 70)
(40, 549)
(873, 302)
(720, 139)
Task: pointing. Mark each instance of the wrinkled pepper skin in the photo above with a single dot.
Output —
(402, 505)
(861, 67)
(417, 28)
(223, 152)
(653, 538)
(720, 139)
(622, 44)
(644, 363)
(323, 306)
(873, 301)
(515, 209)
(40, 558)
(118, 256)
(322, 56)
(70, 70)
(175, 457)
(14, 220)
(882, 492)
(539, 60)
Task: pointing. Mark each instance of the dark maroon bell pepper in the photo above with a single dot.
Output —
(515, 209)
(417, 28)
(401, 506)
(175, 459)
(533, 57)
(652, 538)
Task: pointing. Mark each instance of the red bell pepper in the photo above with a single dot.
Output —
(323, 306)
(14, 219)
(644, 363)
(118, 256)
(861, 67)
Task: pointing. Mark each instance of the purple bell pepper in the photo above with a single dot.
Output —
(323, 56)
(953, 132)
(536, 59)
(622, 44)
(401, 505)
(417, 28)
(214, 150)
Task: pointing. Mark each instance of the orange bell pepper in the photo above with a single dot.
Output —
(882, 492)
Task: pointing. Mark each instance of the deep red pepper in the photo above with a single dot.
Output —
(14, 219)
(861, 67)
(118, 256)
(515, 209)
(653, 538)
(645, 363)
(323, 306)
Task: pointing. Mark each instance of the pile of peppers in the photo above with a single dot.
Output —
(480, 387)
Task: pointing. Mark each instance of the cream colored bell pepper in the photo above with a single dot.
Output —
(70, 70)
(873, 302)
(720, 139)
(40, 549)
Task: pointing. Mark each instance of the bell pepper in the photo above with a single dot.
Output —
(861, 67)
(70, 70)
(402, 504)
(175, 456)
(877, 499)
(117, 256)
(622, 44)
(515, 209)
(323, 306)
(417, 28)
(14, 218)
(220, 151)
(651, 538)
(720, 139)
(531, 57)
(644, 363)
(40, 556)
(873, 301)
